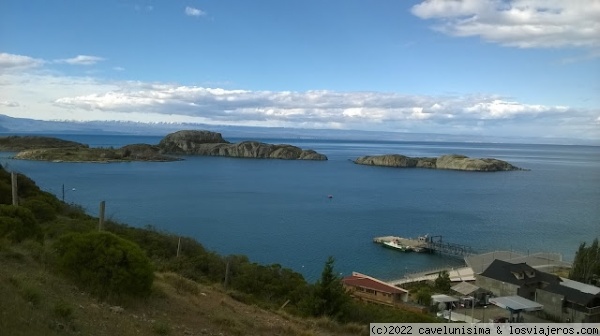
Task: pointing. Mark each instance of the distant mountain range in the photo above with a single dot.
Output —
(22, 126)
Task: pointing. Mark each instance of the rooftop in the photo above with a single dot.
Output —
(365, 281)
(516, 303)
(517, 274)
(465, 288)
(539, 261)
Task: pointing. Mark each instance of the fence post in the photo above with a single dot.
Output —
(15, 194)
(101, 216)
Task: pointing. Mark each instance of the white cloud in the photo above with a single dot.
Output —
(81, 60)
(12, 61)
(50, 96)
(9, 103)
(191, 11)
(326, 109)
(518, 23)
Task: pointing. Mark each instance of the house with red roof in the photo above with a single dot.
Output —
(370, 289)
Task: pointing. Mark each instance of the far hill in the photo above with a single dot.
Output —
(10, 125)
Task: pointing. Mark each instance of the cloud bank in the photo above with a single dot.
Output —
(518, 23)
(44, 95)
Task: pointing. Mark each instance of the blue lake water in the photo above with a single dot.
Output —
(277, 211)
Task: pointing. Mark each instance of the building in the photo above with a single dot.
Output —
(370, 289)
(562, 298)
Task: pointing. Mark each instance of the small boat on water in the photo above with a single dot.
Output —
(396, 246)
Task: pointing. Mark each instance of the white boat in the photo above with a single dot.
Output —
(395, 246)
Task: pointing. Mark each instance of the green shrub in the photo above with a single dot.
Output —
(5, 193)
(35, 248)
(161, 328)
(18, 223)
(42, 211)
(31, 294)
(26, 186)
(105, 264)
(63, 310)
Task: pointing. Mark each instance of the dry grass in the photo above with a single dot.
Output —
(35, 301)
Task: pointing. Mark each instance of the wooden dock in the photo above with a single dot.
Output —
(432, 244)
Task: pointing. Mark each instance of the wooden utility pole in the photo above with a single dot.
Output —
(178, 246)
(15, 194)
(63, 193)
(101, 217)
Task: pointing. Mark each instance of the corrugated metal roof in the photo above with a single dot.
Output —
(516, 303)
(464, 288)
(590, 289)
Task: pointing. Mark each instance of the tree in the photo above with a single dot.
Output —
(105, 264)
(443, 283)
(586, 266)
(424, 296)
(329, 296)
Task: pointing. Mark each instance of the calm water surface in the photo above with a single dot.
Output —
(278, 211)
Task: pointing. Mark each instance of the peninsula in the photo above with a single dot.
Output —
(189, 142)
(128, 153)
(452, 162)
(15, 143)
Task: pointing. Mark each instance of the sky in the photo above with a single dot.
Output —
(469, 67)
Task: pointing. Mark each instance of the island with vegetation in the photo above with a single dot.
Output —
(212, 144)
(452, 162)
(15, 143)
(187, 142)
(135, 152)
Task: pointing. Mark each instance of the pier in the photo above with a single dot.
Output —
(432, 244)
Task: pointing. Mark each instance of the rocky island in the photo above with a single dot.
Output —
(179, 143)
(452, 161)
(212, 144)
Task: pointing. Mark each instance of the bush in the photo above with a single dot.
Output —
(161, 328)
(18, 223)
(63, 310)
(42, 211)
(105, 264)
(5, 193)
(31, 294)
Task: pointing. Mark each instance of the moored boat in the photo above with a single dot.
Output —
(396, 246)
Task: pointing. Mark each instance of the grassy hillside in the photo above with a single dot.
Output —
(35, 301)
(59, 275)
